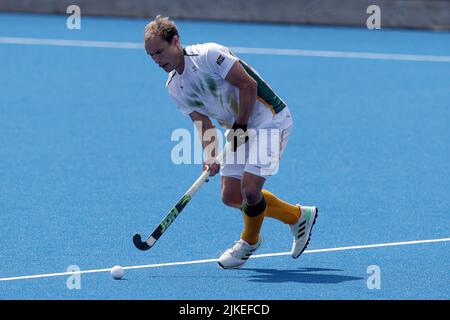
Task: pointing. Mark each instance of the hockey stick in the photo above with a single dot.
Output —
(176, 210)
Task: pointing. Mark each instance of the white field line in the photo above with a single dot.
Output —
(391, 244)
(343, 54)
(71, 43)
(243, 50)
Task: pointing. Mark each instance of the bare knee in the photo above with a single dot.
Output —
(251, 188)
(251, 194)
(232, 198)
(231, 192)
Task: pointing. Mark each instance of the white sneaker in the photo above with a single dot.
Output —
(301, 230)
(238, 254)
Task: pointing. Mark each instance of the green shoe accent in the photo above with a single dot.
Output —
(307, 212)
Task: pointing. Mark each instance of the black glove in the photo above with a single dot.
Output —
(237, 136)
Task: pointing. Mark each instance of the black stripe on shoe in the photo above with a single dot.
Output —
(309, 238)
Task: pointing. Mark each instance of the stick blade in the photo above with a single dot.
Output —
(141, 245)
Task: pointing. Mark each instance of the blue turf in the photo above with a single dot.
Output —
(85, 162)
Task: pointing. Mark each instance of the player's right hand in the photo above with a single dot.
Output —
(214, 167)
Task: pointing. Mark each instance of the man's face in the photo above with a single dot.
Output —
(165, 54)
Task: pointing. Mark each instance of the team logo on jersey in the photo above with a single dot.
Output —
(220, 59)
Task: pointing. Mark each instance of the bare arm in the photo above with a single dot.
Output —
(238, 77)
(208, 139)
(203, 124)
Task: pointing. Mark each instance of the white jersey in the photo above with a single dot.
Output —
(202, 87)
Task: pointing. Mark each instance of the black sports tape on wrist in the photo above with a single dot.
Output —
(253, 210)
(237, 126)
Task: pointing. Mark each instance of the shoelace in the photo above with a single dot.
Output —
(239, 246)
(236, 244)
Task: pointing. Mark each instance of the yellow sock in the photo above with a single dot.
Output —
(252, 227)
(280, 210)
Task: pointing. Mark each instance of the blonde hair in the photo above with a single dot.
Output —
(160, 27)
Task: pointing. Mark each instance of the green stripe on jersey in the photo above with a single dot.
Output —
(264, 91)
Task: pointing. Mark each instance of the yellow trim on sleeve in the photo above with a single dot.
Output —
(266, 104)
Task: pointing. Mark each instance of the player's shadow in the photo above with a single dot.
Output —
(301, 275)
